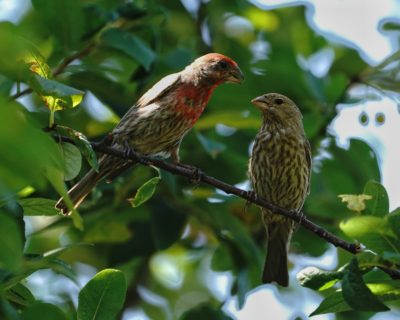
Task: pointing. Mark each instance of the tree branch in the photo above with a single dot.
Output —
(196, 174)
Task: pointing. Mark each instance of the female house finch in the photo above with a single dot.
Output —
(157, 123)
(279, 170)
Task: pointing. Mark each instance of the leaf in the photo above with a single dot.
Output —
(129, 44)
(21, 295)
(82, 143)
(43, 311)
(356, 293)
(394, 222)
(103, 296)
(332, 304)
(11, 243)
(37, 63)
(72, 161)
(222, 259)
(317, 279)
(56, 95)
(145, 192)
(355, 202)
(237, 120)
(38, 207)
(204, 311)
(380, 202)
(374, 232)
(105, 231)
(68, 29)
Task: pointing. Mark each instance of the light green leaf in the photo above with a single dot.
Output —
(394, 222)
(11, 243)
(56, 95)
(129, 44)
(379, 205)
(38, 207)
(145, 192)
(237, 120)
(72, 161)
(357, 295)
(355, 202)
(36, 62)
(82, 143)
(103, 296)
(317, 279)
(106, 231)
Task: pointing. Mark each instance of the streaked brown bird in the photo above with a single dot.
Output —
(157, 123)
(279, 169)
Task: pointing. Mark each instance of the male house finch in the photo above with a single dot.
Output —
(157, 123)
(279, 170)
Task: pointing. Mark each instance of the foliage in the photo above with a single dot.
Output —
(86, 63)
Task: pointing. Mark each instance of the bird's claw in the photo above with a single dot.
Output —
(252, 196)
(196, 173)
(128, 151)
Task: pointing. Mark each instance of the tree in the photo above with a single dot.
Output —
(161, 241)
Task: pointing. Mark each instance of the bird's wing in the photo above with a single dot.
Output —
(307, 150)
(159, 89)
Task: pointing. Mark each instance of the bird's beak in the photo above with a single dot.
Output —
(259, 102)
(235, 76)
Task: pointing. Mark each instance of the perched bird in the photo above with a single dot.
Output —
(157, 123)
(279, 170)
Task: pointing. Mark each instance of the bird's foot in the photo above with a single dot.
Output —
(252, 196)
(107, 140)
(128, 151)
(301, 216)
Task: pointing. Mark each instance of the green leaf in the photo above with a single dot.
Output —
(222, 259)
(106, 231)
(317, 279)
(212, 147)
(68, 29)
(129, 44)
(72, 161)
(103, 296)
(56, 95)
(356, 293)
(37, 63)
(394, 222)
(21, 295)
(379, 205)
(82, 143)
(43, 311)
(374, 232)
(38, 207)
(145, 192)
(11, 243)
(203, 312)
(332, 304)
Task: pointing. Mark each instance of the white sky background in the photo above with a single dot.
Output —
(352, 23)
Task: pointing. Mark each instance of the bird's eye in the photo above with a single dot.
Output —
(223, 65)
(278, 101)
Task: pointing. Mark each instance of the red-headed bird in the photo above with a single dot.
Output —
(157, 123)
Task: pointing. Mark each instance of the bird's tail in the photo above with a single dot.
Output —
(78, 193)
(275, 267)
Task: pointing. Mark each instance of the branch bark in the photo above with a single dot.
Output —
(196, 174)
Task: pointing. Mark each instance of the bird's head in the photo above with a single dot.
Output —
(277, 106)
(217, 68)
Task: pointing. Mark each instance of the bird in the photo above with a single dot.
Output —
(156, 124)
(279, 171)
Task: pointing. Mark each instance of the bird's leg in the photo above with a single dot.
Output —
(252, 197)
(107, 140)
(128, 151)
(196, 172)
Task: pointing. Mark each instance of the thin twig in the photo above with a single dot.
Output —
(196, 174)
(61, 67)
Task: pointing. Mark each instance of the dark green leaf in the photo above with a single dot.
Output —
(222, 259)
(106, 231)
(203, 312)
(317, 279)
(11, 243)
(103, 296)
(82, 143)
(332, 304)
(379, 204)
(72, 161)
(38, 207)
(43, 311)
(234, 119)
(129, 44)
(145, 192)
(21, 295)
(356, 293)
